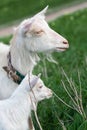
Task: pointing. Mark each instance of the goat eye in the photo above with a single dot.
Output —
(39, 32)
(40, 86)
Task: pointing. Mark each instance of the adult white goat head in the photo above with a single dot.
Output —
(36, 35)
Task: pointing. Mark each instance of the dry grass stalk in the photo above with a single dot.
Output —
(76, 99)
(77, 96)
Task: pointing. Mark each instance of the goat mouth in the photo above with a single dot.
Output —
(61, 48)
(49, 96)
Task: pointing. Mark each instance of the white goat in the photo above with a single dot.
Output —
(14, 112)
(31, 37)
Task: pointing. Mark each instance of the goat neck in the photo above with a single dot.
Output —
(22, 59)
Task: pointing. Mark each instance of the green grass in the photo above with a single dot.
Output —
(6, 39)
(11, 10)
(74, 28)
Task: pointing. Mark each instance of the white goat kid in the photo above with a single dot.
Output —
(31, 37)
(14, 112)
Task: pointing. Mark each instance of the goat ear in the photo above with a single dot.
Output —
(42, 13)
(34, 81)
(26, 27)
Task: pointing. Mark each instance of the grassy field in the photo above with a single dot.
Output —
(74, 60)
(74, 63)
(11, 10)
(53, 114)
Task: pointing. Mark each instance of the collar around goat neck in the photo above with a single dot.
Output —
(16, 76)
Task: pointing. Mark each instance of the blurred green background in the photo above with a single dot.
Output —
(15, 9)
(53, 114)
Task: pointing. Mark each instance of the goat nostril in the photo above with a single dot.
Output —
(65, 42)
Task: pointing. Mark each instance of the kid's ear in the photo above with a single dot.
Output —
(34, 81)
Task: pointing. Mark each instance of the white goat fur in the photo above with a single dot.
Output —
(14, 111)
(31, 37)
